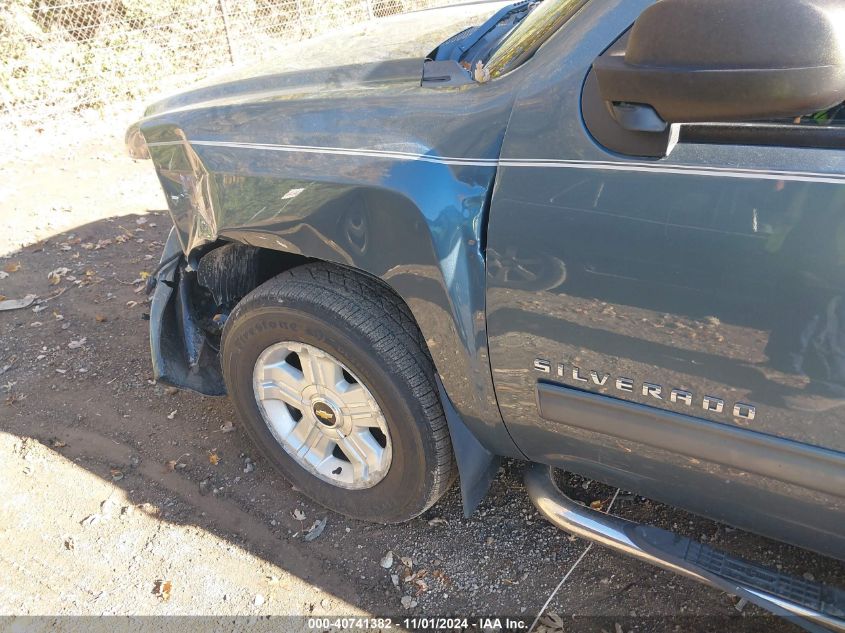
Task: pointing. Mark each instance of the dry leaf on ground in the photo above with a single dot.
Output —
(55, 276)
(162, 589)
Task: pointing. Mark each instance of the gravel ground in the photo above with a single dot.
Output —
(124, 497)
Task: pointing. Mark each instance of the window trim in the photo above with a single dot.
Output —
(765, 134)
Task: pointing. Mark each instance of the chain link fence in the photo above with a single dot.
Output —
(62, 56)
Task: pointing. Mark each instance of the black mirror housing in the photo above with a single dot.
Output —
(712, 61)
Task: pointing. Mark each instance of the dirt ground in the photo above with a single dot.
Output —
(122, 497)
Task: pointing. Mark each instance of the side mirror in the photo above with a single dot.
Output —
(715, 61)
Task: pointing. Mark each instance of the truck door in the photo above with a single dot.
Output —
(708, 283)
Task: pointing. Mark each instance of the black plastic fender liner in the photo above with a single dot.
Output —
(164, 285)
(812, 606)
(477, 466)
(180, 355)
(230, 272)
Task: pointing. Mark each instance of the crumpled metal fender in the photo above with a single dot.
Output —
(419, 226)
(390, 179)
(367, 170)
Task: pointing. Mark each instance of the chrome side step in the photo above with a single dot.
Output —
(812, 606)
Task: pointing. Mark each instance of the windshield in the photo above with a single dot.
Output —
(530, 34)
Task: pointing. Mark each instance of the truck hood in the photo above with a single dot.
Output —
(384, 51)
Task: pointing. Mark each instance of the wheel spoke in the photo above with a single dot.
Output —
(365, 419)
(281, 382)
(357, 460)
(363, 452)
(274, 391)
(354, 395)
(300, 432)
(319, 369)
(367, 444)
(309, 434)
(361, 409)
(359, 406)
(320, 451)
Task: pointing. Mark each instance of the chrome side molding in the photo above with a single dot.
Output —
(812, 606)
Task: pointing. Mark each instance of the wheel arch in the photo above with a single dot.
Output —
(213, 269)
(418, 226)
(462, 369)
(227, 271)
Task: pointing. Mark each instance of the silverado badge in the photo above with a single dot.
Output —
(575, 374)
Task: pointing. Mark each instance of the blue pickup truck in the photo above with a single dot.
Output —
(605, 236)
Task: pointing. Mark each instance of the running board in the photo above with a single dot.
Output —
(812, 606)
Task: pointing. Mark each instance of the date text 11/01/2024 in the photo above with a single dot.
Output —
(576, 374)
(421, 624)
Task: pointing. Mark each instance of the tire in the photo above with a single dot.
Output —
(329, 313)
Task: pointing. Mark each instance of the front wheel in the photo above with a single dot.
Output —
(330, 378)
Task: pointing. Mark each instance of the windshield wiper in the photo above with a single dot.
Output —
(465, 45)
(450, 64)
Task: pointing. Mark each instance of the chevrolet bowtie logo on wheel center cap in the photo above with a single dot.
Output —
(326, 414)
